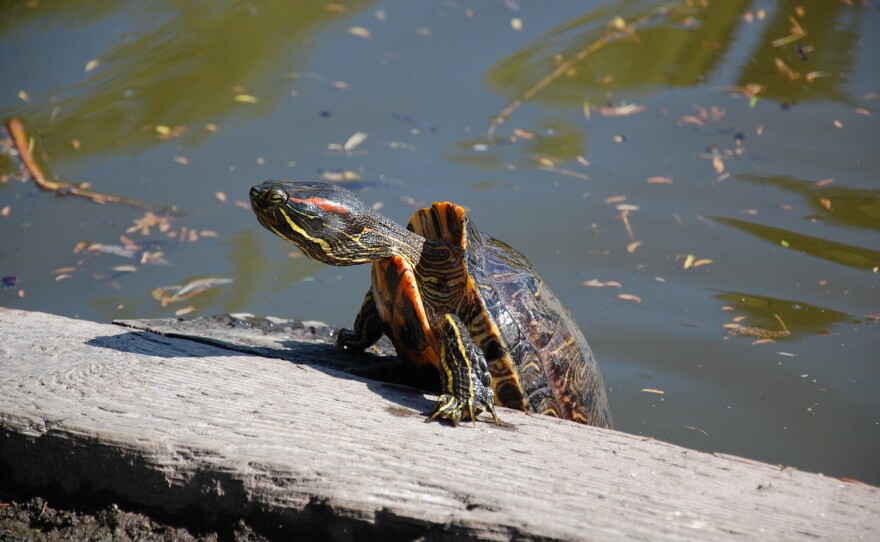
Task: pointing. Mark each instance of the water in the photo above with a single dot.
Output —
(725, 201)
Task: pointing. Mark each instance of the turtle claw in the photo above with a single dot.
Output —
(454, 409)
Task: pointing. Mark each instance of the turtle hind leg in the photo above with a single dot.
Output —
(367, 328)
(464, 375)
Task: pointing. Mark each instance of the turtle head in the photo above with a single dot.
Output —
(327, 222)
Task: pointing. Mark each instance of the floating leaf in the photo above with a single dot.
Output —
(797, 32)
(785, 71)
(115, 250)
(188, 290)
(155, 257)
(92, 64)
(598, 284)
(633, 246)
(659, 180)
(246, 99)
(338, 176)
(356, 139)
(623, 110)
(653, 390)
(359, 31)
(692, 261)
(630, 297)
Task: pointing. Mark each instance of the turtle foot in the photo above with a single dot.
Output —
(452, 408)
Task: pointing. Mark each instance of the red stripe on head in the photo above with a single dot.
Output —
(325, 204)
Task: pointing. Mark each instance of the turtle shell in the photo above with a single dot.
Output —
(538, 358)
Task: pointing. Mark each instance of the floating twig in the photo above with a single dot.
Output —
(620, 29)
(25, 144)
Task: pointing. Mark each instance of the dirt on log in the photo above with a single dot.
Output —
(203, 426)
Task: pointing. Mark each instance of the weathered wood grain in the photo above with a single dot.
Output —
(183, 426)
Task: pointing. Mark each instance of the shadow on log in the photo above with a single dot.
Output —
(217, 418)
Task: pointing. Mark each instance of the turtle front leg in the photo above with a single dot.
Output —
(367, 328)
(464, 374)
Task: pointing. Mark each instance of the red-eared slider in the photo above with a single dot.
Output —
(450, 297)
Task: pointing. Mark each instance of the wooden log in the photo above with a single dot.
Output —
(182, 426)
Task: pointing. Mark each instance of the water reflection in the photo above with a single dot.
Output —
(822, 60)
(198, 66)
(636, 47)
(556, 140)
(253, 272)
(833, 251)
(677, 57)
(773, 314)
(834, 204)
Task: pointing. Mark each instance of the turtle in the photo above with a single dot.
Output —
(449, 297)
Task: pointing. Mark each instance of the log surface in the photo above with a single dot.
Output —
(186, 427)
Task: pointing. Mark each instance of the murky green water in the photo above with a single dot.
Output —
(699, 184)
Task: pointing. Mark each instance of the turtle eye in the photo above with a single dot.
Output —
(277, 197)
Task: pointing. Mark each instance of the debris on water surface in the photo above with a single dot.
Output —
(796, 32)
(697, 429)
(9, 282)
(356, 139)
(595, 283)
(28, 145)
(547, 164)
(623, 110)
(692, 261)
(149, 221)
(338, 176)
(359, 31)
(763, 335)
(189, 290)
